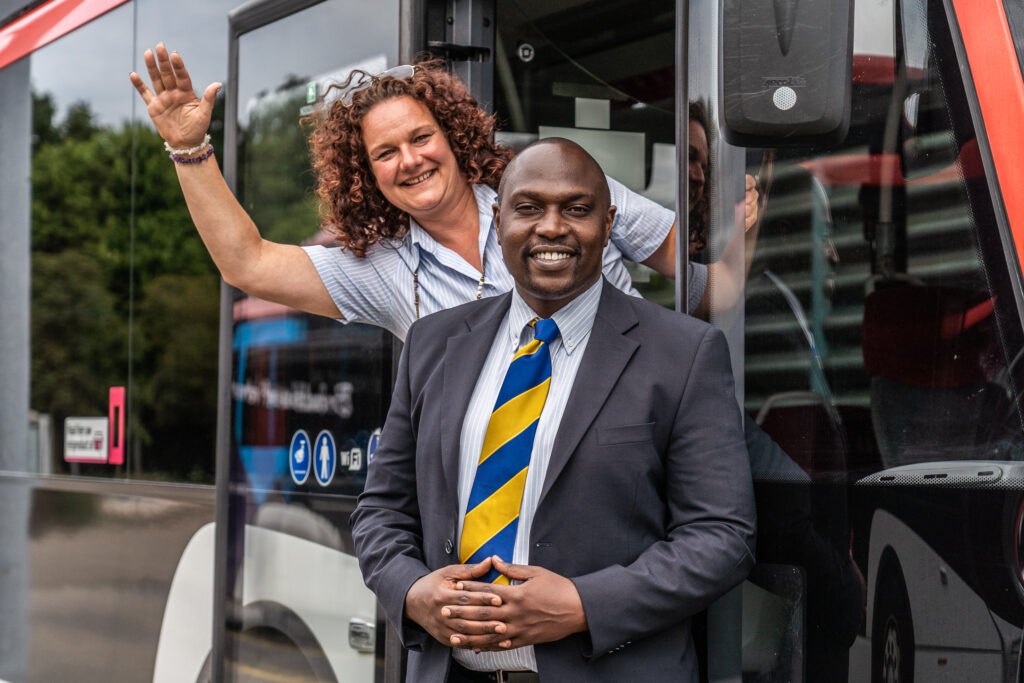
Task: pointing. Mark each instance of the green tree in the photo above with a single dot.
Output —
(176, 388)
(274, 166)
(43, 129)
(79, 342)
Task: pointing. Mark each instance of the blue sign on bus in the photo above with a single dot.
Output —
(326, 455)
(299, 456)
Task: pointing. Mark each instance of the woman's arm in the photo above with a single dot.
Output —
(728, 276)
(276, 272)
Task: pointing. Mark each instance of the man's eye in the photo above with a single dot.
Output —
(578, 210)
(525, 208)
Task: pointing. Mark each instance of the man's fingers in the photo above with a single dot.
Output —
(468, 598)
(468, 571)
(481, 643)
(472, 613)
(474, 571)
(513, 571)
(477, 628)
(482, 587)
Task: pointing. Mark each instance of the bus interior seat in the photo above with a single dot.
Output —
(810, 431)
(932, 354)
(811, 434)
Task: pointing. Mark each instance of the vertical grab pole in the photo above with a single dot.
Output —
(682, 157)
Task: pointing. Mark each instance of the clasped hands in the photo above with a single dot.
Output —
(459, 611)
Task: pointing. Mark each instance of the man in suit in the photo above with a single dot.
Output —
(631, 505)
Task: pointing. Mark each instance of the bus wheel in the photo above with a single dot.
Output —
(892, 632)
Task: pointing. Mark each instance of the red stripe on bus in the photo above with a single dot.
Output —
(839, 170)
(879, 70)
(997, 79)
(47, 23)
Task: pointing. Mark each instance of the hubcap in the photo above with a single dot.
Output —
(891, 654)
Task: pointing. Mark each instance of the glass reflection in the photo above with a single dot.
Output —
(308, 395)
(560, 72)
(81, 232)
(880, 342)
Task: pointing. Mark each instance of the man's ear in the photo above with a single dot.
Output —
(497, 220)
(608, 224)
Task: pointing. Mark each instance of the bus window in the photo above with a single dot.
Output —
(879, 281)
(80, 242)
(124, 298)
(560, 71)
(880, 373)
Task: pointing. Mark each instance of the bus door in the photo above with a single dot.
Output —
(878, 336)
(302, 398)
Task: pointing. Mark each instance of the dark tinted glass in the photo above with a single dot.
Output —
(881, 379)
(879, 289)
(602, 74)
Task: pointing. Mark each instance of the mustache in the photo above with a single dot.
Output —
(541, 244)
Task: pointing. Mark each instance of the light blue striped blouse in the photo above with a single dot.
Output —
(378, 289)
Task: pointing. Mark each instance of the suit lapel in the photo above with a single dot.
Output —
(608, 351)
(464, 358)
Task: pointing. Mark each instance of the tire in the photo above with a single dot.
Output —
(892, 630)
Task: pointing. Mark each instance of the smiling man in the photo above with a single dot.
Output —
(562, 480)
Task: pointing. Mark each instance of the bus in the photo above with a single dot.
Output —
(178, 460)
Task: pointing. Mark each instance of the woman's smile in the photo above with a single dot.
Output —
(420, 178)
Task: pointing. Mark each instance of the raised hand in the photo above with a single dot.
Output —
(180, 117)
(751, 203)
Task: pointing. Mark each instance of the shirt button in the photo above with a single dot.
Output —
(448, 546)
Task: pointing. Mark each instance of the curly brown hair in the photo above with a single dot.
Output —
(352, 208)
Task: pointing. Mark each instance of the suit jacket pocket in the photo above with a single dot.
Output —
(608, 436)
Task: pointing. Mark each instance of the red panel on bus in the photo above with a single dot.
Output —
(997, 79)
(116, 421)
(47, 23)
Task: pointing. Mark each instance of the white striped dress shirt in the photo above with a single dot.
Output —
(574, 321)
(378, 289)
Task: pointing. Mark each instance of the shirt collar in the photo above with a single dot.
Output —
(574, 320)
(419, 237)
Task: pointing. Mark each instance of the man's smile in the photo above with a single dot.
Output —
(551, 257)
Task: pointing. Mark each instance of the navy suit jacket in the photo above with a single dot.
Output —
(647, 504)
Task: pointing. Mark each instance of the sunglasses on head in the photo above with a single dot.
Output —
(401, 72)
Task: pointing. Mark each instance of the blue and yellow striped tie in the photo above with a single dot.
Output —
(492, 515)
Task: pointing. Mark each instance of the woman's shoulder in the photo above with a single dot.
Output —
(485, 195)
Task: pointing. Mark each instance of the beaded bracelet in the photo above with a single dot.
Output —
(193, 160)
(190, 150)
